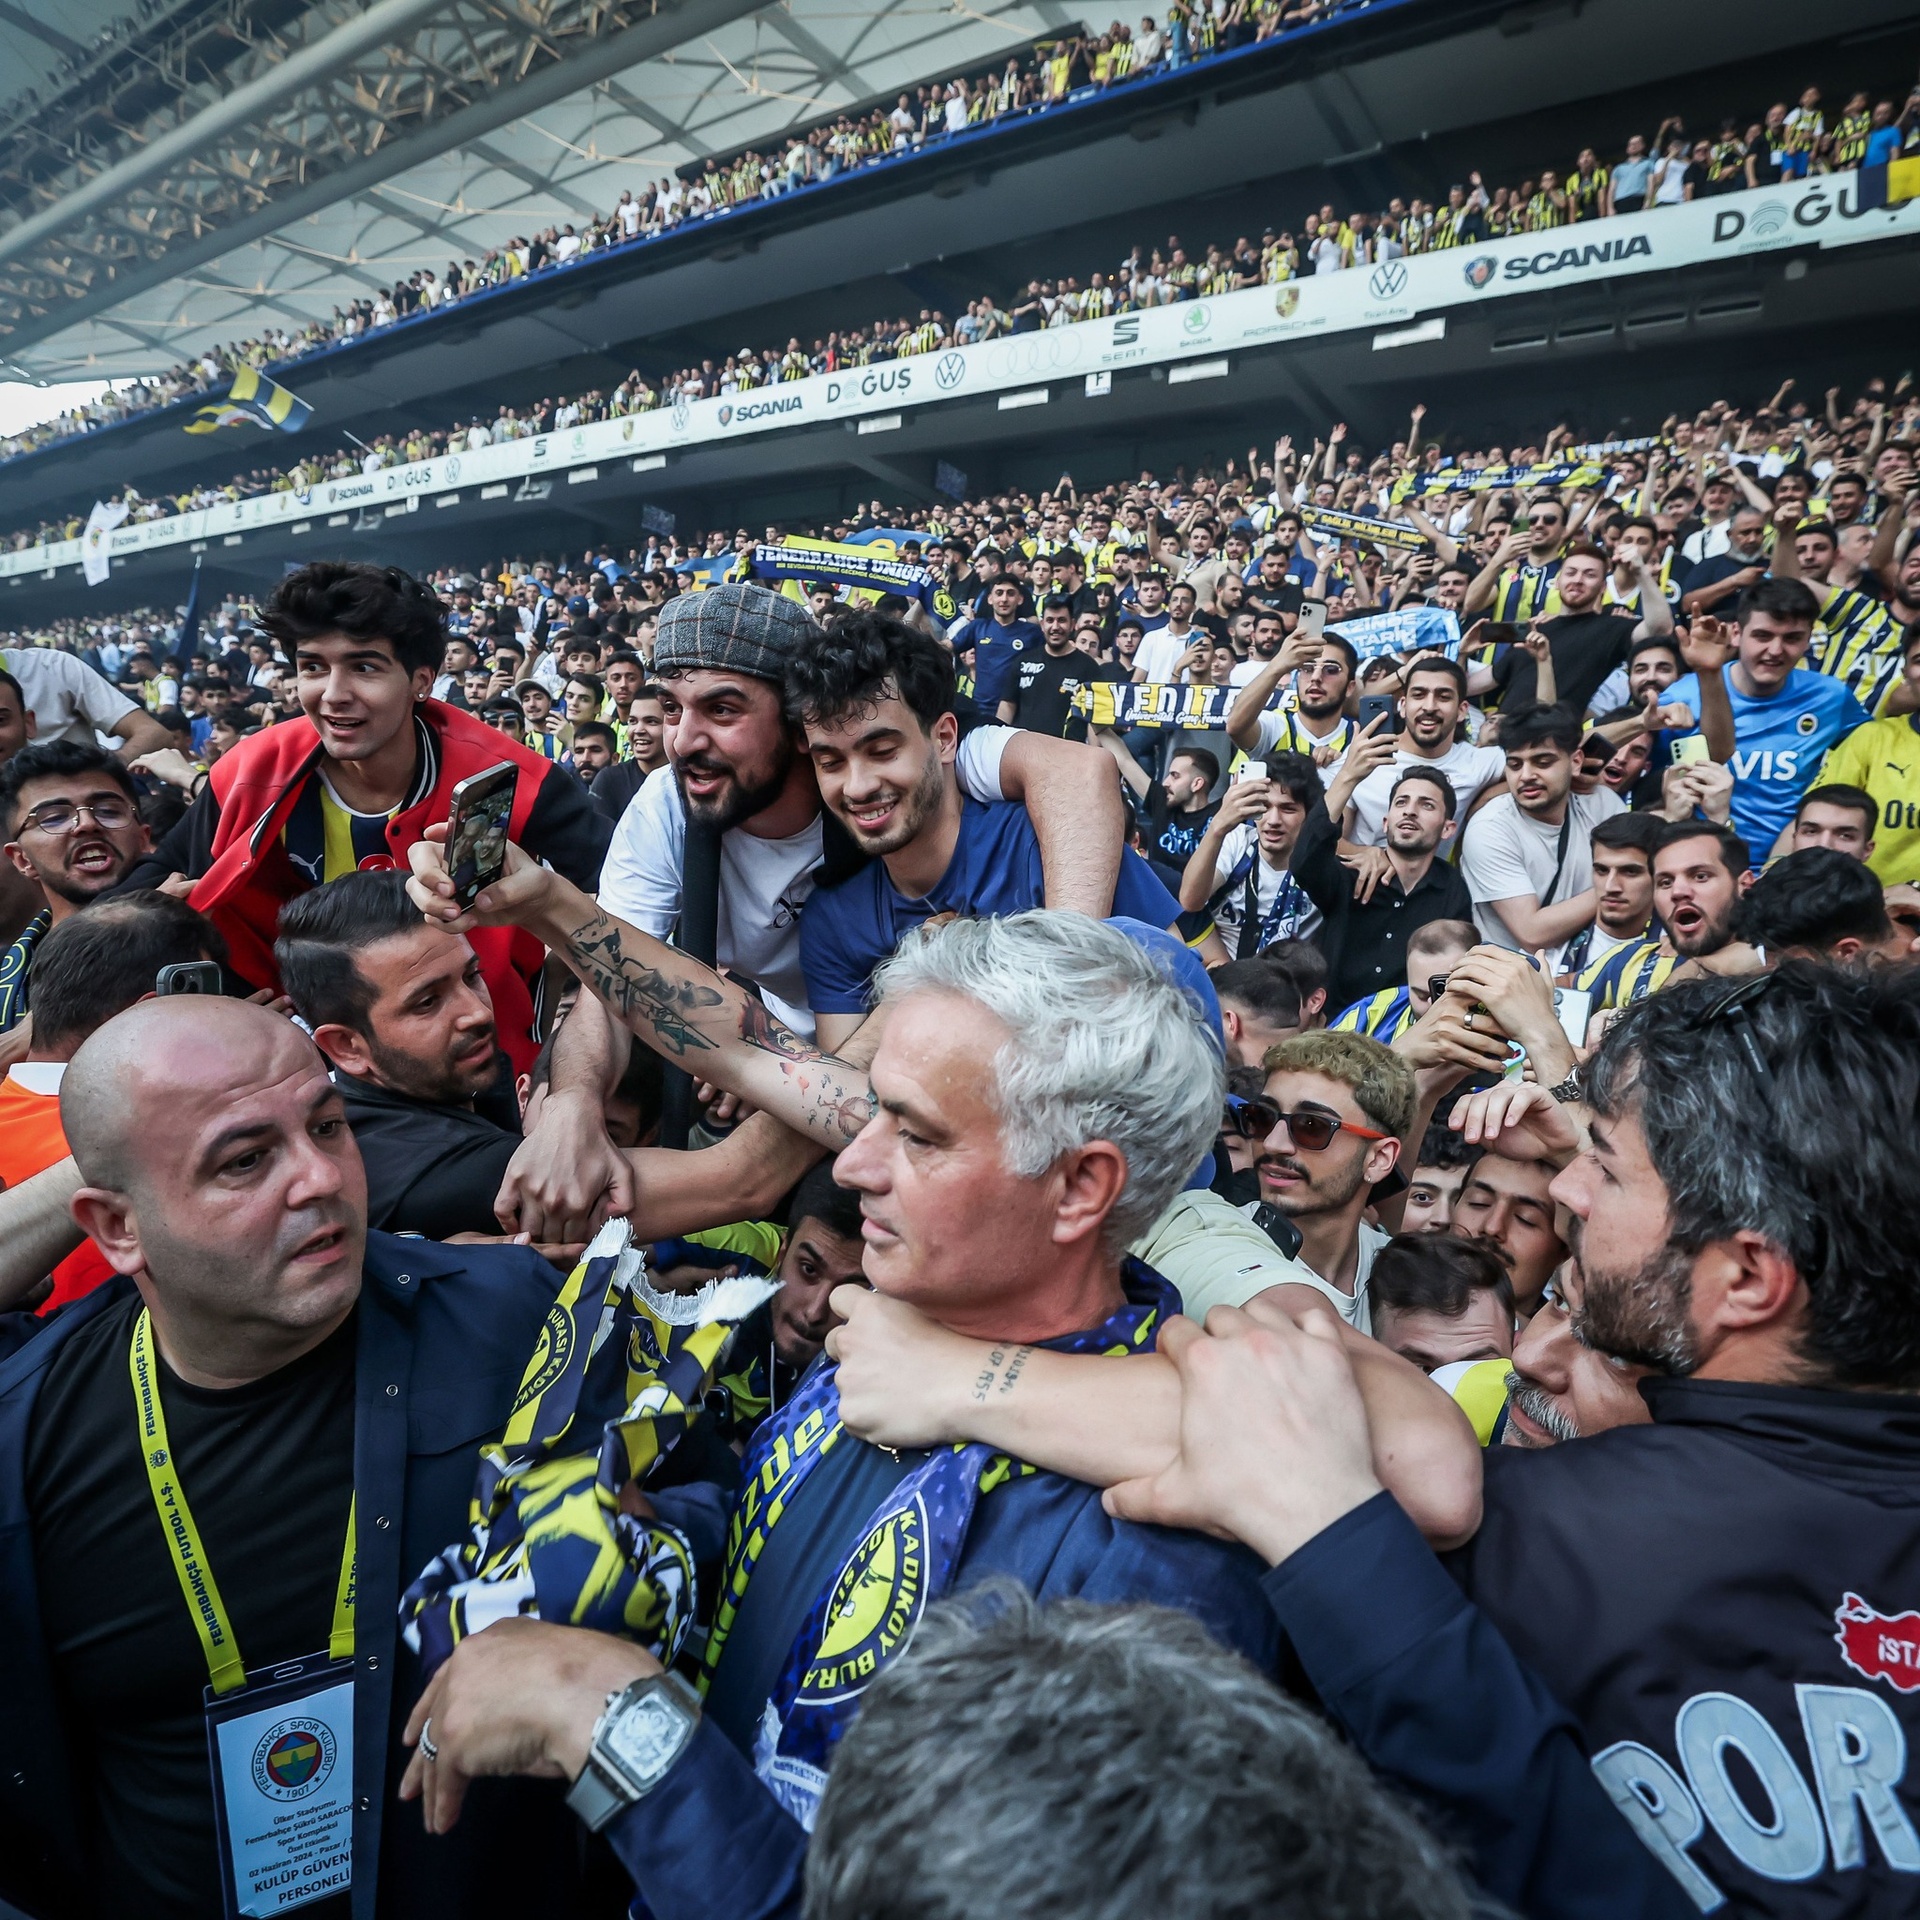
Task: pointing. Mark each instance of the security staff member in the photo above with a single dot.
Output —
(1738, 1577)
(234, 1456)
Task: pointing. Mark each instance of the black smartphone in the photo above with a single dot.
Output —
(1436, 985)
(188, 976)
(1373, 705)
(477, 830)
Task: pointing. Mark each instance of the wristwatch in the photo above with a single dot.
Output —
(1568, 1089)
(643, 1731)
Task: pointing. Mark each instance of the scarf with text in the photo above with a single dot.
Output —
(907, 1556)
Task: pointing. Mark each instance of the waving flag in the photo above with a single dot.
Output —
(256, 400)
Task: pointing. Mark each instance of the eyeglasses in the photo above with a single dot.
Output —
(110, 811)
(1256, 1118)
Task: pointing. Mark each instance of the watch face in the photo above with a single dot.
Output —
(645, 1737)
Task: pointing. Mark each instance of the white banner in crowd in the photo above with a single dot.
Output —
(1821, 211)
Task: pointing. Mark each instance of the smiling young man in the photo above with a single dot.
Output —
(874, 699)
(1770, 722)
(349, 786)
(1433, 698)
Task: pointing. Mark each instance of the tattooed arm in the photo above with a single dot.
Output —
(680, 1008)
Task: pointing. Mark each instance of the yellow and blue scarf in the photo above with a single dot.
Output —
(547, 1536)
(907, 1556)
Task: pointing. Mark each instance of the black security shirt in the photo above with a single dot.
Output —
(268, 1473)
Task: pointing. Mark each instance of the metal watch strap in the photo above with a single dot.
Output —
(1568, 1089)
(604, 1789)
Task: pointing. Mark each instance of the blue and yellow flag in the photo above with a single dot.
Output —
(255, 399)
(1892, 185)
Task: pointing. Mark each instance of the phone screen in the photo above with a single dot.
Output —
(477, 830)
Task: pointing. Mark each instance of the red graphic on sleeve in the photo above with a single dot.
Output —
(1882, 1646)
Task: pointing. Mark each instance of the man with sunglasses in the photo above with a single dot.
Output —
(73, 828)
(1335, 1109)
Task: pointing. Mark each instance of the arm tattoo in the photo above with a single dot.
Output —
(641, 993)
(835, 1099)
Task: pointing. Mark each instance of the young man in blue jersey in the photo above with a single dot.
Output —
(1768, 722)
(998, 637)
(874, 698)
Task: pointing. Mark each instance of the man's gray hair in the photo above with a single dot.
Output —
(1102, 1045)
(1078, 1762)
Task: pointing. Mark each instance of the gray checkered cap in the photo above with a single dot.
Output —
(736, 627)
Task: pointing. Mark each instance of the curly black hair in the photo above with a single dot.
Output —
(366, 603)
(866, 657)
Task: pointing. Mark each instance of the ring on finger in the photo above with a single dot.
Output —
(428, 1750)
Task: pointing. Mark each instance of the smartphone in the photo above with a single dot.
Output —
(1313, 618)
(188, 976)
(477, 830)
(1252, 770)
(1436, 985)
(1574, 1005)
(1693, 747)
(1373, 705)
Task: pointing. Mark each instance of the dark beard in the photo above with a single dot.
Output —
(738, 801)
(1641, 1316)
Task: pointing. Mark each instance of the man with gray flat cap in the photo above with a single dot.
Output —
(738, 765)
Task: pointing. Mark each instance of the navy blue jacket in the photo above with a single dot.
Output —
(444, 1338)
(711, 1839)
(1436, 1699)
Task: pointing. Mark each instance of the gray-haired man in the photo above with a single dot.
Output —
(1040, 1091)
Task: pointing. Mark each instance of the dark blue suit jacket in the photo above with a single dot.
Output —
(444, 1338)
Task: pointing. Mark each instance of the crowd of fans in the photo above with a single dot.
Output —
(1471, 970)
(1677, 165)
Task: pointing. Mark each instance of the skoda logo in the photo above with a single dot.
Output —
(1388, 281)
(949, 370)
(726, 414)
(1197, 318)
(1480, 269)
(1768, 217)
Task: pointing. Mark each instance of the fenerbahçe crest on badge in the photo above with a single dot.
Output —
(876, 1602)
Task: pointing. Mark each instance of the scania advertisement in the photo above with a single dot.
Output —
(1823, 211)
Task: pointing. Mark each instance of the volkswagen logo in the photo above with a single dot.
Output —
(1480, 269)
(1388, 281)
(949, 370)
(679, 417)
(453, 467)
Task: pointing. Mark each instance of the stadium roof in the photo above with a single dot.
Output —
(182, 173)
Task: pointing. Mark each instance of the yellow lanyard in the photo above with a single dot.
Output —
(224, 1666)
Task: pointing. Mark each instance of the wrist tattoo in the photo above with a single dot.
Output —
(999, 1371)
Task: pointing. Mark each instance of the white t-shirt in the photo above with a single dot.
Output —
(629, 212)
(1354, 1308)
(1299, 921)
(763, 883)
(1160, 651)
(1508, 854)
(1468, 769)
(67, 699)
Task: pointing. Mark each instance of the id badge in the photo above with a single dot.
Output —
(282, 1751)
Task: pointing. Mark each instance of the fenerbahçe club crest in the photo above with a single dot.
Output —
(876, 1602)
